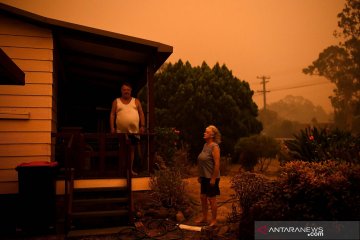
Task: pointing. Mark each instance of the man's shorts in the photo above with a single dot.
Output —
(134, 139)
(208, 189)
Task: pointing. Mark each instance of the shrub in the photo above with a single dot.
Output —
(249, 189)
(314, 191)
(283, 155)
(306, 191)
(168, 188)
(166, 140)
(316, 145)
(249, 150)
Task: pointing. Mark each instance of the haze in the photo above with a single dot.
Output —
(274, 38)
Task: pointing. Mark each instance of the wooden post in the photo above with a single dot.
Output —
(151, 120)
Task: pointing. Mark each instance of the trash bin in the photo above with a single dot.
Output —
(37, 196)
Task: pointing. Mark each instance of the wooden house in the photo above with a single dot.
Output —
(57, 83)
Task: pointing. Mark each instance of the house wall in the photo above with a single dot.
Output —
(26, 112)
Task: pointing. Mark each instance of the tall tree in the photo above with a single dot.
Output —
(341, 65)
(191, 98)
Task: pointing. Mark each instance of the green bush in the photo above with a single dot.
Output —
(249, 150)
(316, 145)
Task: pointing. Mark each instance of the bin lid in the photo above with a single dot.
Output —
(38, 164)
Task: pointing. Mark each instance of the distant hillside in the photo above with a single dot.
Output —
(297, 108)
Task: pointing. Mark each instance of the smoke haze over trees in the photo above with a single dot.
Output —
(340, 64)
(289, 115)
(297, 108)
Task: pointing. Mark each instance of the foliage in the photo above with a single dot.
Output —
(168, 188)
(166, 140)
(249, 188)
(249, 150)
(340, 65)
(304, 192)
(283, 155)
(191, 98)
(313, 191)
(316, 145)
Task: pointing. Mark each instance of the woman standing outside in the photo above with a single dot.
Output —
(209, 173)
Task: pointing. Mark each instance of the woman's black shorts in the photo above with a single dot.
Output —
(208, 189)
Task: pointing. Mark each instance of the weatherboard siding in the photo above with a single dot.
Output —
(27, 113)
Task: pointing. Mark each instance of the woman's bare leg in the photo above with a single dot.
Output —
(213, 206)
(204, 209)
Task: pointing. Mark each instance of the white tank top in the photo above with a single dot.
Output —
(127, 117)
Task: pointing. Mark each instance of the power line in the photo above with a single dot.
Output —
(294, 87)
(300, 86)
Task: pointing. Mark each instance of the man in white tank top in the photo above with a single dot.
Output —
(128, 117)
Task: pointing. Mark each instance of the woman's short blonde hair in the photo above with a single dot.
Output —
(216, 132)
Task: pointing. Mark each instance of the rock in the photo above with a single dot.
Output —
(180, 217)
(162, 213)
(223, 230)
(188, 212)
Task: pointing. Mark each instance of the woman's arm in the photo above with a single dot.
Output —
(216, 157)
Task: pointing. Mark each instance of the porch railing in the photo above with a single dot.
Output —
(101, 155)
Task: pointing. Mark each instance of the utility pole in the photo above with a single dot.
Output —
(263, 82)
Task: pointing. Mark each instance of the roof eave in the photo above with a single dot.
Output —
(53, 23)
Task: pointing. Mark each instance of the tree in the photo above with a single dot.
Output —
(191, 98)
(341, 65)
(255, 149)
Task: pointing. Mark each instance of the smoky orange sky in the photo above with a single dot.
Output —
(253, 38)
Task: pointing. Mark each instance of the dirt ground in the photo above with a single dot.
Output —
(224, 201)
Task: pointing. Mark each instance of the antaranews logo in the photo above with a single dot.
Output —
(262, 229)
(310, 231)
(307, 230)
(316, 232)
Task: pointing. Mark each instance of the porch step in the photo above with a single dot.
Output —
(103, 192)
(101, 201)
(100, 189)
(100, 206)
(113, 213)
(96, 232)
